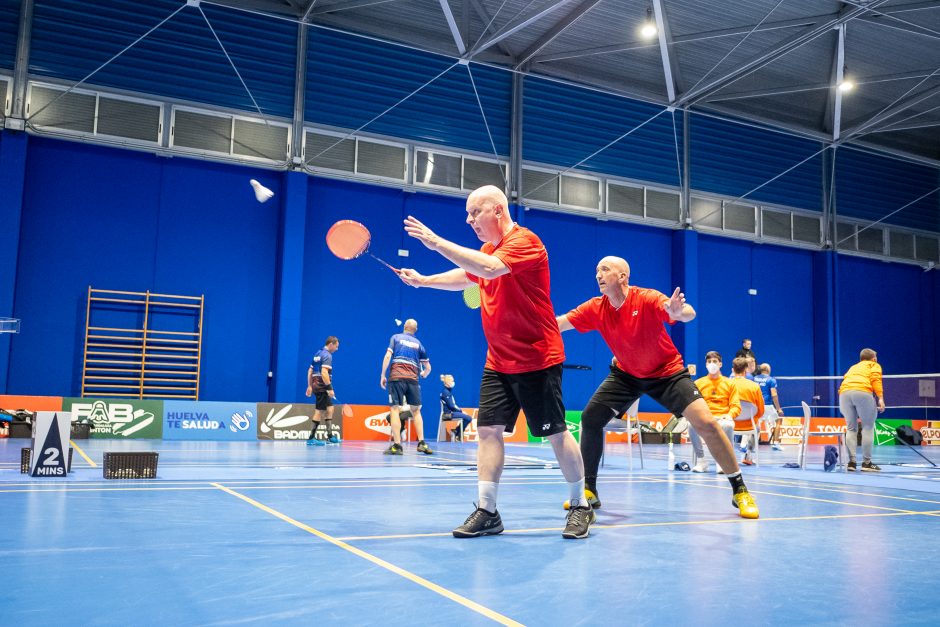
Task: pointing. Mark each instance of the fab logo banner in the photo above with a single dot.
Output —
(118, 418)
(184, 420)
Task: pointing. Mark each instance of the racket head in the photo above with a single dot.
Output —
(471, 296)
(347, 239)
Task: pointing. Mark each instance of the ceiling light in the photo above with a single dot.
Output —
(847, 84)
(648, 31)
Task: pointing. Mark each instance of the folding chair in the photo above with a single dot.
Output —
(616, 425)
(446, 416)
(748, 411)
(839, 435)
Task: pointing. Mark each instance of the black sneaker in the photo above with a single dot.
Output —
(579, 522)
(870, 467)
(394, 449)
(480, 523)
(850, 467)
(424, 448)
(455, 435)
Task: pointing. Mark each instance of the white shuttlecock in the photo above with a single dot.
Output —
(262, 193)
(397, 322)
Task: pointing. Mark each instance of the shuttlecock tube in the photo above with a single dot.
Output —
(262, 193)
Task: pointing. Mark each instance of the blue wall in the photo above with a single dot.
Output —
(131, 221)
(9, 26)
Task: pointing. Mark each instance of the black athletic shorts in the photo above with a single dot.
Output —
(538, 393)
(324, 400)
(404, 392)
(619, 390)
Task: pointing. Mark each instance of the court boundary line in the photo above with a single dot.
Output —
(668, 523)
(421, 581)
(82, 453)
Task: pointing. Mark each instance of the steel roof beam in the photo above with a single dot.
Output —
(768, 57)
(670, 69)
(484, 15)
(452, 25)
(832, 120)
(557, 29)
(792, 89)
(886, 114)
(512, 30)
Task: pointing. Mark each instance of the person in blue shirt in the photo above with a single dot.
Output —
(320, 385)
(772, 410)
(451, 409)
(408, 361)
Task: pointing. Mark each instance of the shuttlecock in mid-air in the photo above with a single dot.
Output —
(262, 193)
(397, 322)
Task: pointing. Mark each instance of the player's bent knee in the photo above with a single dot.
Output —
(595, 416)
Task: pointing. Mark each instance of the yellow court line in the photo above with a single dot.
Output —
(670, 523)
(794, 496)
(822, 489)
(421, 581)
(82, 453)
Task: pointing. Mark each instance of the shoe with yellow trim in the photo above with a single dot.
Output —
(591, 497)
(747, 507)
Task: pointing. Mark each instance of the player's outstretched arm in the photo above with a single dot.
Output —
(563, 323)
(473, 261)
(678, 309)
(452, 280)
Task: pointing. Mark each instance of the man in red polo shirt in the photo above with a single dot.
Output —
(630, 319)
(525, 351)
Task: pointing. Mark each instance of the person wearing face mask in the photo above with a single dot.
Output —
(451, 409)
(861, 388)
(632, 322)
(724, 404)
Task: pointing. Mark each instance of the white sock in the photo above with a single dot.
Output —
(576, 493)
(487, 491)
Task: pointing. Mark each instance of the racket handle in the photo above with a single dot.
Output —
(387, 265)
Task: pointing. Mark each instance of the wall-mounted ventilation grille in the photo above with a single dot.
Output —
(222, 133)
(6, 99)
(52, 108)
(324, 150)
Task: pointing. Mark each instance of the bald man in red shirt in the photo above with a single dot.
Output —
(631, 320)
(525, 351)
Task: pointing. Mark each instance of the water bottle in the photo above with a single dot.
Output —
(671, 463)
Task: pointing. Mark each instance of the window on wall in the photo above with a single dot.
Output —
(891, 242)
(540, 186)
(456, 172)
(543, 186)
(6, 98)
(706, 212)
(55, 109)
(373, 159)
(638, 201)
(580, 192)
(927, 248)
(254, 139)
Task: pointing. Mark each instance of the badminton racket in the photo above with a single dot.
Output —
(348, 239)
(471, 296)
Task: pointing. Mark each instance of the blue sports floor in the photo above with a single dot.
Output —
(281, 533)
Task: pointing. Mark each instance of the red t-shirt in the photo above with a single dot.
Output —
(516, 308)
(635, 332)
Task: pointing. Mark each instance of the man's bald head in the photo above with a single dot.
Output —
(488, 194)
(411, 325)
(617, 263)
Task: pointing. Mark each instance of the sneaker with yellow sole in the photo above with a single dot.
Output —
(747, 507)
(591, 497)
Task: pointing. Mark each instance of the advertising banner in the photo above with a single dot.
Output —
(572, 419)
(293, 421)
(31, 403)
(367, 422)
(118, 418)
(187, 420)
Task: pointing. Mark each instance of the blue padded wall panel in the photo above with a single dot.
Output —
(90, 219)
(880, 306)
(564, 124)
(130, 221)
(215, 239)
(575, 244)
(733, 159)
(350, 80)
(181, 59)
(9, 28)
(359, 300)
(778, 319)
(870, 187)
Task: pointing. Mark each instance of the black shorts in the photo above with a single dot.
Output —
(404, 392)
(537, 393)
(619, 390)
(324, 400)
